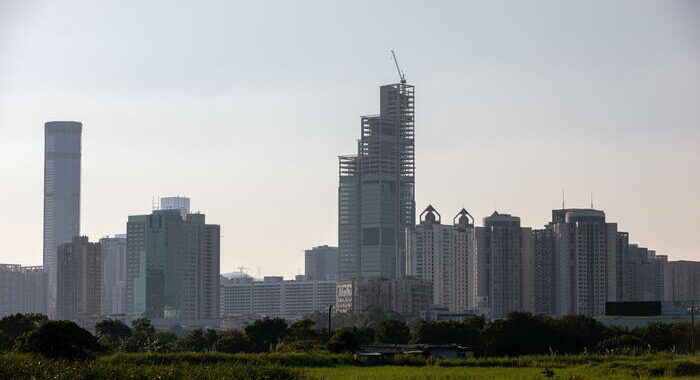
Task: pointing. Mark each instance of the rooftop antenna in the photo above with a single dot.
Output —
(396, 61)
(563, 198)
(241, 269)
(591, 199)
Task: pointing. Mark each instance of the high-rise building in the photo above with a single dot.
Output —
(79, 278)
(376, 202)
(275, 297)
(504, 265)
(114, 275)
(645, 271)
(585, 261)
(23, 289)
(172, 267)
(321, 263)
(443, 255)
(176, 203)
(622, 270)
(406, 296)
(544, 271)
(61, 194)
(681, 280)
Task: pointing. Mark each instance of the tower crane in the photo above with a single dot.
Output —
(396, 61)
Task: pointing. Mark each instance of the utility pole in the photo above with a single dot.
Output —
(329, 322)
(692, 309)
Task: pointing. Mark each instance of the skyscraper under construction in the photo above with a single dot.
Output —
(376, 201)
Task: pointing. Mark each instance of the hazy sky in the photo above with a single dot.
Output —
(244, 106)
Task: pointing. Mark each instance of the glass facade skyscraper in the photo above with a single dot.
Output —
(61, 194)
(376, 201)
(172, 266)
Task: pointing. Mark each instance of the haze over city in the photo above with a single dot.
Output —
(244, 108)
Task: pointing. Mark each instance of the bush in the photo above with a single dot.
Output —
(162, 341)
(232, 341)
(59, 340)
(623, 345)
(274, 359)
(686, 368)
(20, 367)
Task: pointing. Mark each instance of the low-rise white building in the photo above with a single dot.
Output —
(275, 297)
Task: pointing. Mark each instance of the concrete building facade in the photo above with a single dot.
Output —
(376, 201)
(321, 263)
(443, 255)
(79, 293)
(504, 267)
(114, 269)
(61, 194)
(584, 251)
(407, 296)
(23, 289)
(681, 280)
(275, 297)
(645, 274)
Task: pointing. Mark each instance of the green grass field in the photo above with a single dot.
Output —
(478, 373)
(345, 367)
(542, 367)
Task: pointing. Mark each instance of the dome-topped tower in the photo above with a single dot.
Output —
(463, 218)
(430, 215)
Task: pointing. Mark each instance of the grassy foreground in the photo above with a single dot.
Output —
(326, 367)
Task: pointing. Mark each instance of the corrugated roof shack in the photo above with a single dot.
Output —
(376, 353)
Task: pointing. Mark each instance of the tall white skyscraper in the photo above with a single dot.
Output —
(584, 249)
(444, 255)
(504, 265)
(61, 194)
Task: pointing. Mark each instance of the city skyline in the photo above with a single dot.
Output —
(639, 166)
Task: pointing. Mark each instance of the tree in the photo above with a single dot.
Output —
(576, 333)
(141, 333)
(265, 333)
(682, 333)
(232, 341)
(393, 332)
(194, 340)
(373, 315)
(519, 334)
(304, 329)
(346, 339)
(12, 326)
(211, 336)
(112, 332)
(161, 342)
(658, 335)
(466, 333)
(59, 340)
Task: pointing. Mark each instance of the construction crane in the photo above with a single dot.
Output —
(396, 61)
